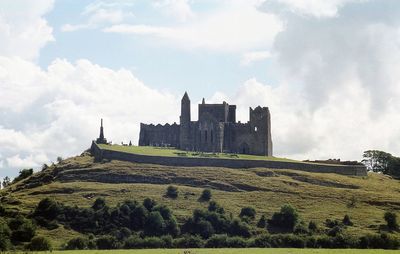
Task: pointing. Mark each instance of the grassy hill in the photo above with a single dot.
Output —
(317, 196)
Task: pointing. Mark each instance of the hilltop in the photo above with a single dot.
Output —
(317, 196)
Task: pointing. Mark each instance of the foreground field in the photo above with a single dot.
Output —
(232, 251)
(317, 196)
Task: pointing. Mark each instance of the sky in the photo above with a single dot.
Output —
(329, 71)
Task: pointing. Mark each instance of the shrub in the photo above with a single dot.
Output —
(107, 243)
(347, 221)
(172, 192)
(214, 207)
(153, 242)
(249, 212)
(217, 241)
(300, 229)
(5, 235)
(189, 241)
(205, 195)
(335, 231)
(391, 220)
(287, 218)
(133, 242)
(78, 243)
(48, 209)
(239, 228)
(149, 203)
(382, 241)
(262, 223)
(39, 243)
(331, 223)
(312, 226)
(236, 242)
(98, 204)
(25, 173)
(23, 230)
(263, 241)
(155, 224)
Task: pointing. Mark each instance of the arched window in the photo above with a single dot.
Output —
(255, 129)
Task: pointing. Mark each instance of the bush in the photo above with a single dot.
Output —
(382, 241)
(25, 173)
(5, 235)
(239, 228)
(107, 243)
(153, 243)
(39, 243)
(214, 207)
(98, 204)
(335, 231)
(78, 243)
(205, 195)
(149, 203)
(312, 226)
(48, 209)
(287, 218)
(300, 229)
(262, 223)
(249, 212)
(391, 220)
(189, 241)
(236, 242)
(23, 230)
(155, 224)
(263, 241)
(217, 241)
(172, 192)
(347, 221)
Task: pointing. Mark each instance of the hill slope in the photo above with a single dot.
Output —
(79, 180)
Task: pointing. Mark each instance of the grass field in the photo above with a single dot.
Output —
(171, 152)
(317, 196)
(231, 251)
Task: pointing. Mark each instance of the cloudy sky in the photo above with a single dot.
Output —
(329, 70)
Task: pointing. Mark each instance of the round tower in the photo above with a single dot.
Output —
(185, 123)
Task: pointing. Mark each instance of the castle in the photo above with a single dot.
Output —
(215, 131)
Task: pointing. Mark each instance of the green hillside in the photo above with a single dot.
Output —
(172, 152)
(317, 196)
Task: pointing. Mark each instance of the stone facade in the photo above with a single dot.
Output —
(215, 131)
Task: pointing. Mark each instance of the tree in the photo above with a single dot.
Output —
(107, 243)
(98, 204)
(149, 203)
(287, 218)
(391, 220)
(379, 161)
(172, 192)
(59, 159)
(5, 235)
(249, 212)
(262, 223)
(155, 224)
(39, 243)
(205, 195)
(6, 181)
(347, 221)
(24, 173)
(312, 226)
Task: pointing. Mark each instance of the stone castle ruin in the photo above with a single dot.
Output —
(215, 131)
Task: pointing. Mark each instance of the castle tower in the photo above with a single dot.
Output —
(260, 124)
(101, 139)
(185, 123)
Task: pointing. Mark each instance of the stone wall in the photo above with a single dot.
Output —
(353, 170)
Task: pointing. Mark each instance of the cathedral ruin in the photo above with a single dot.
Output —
(215, 131)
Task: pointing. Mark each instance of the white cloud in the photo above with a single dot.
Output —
(23, 30)
(317, 8)
(65, 104)
(235, 27)
(179, 9)
(254, 56)
(100, 13)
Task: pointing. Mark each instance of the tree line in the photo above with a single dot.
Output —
(147, 224)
